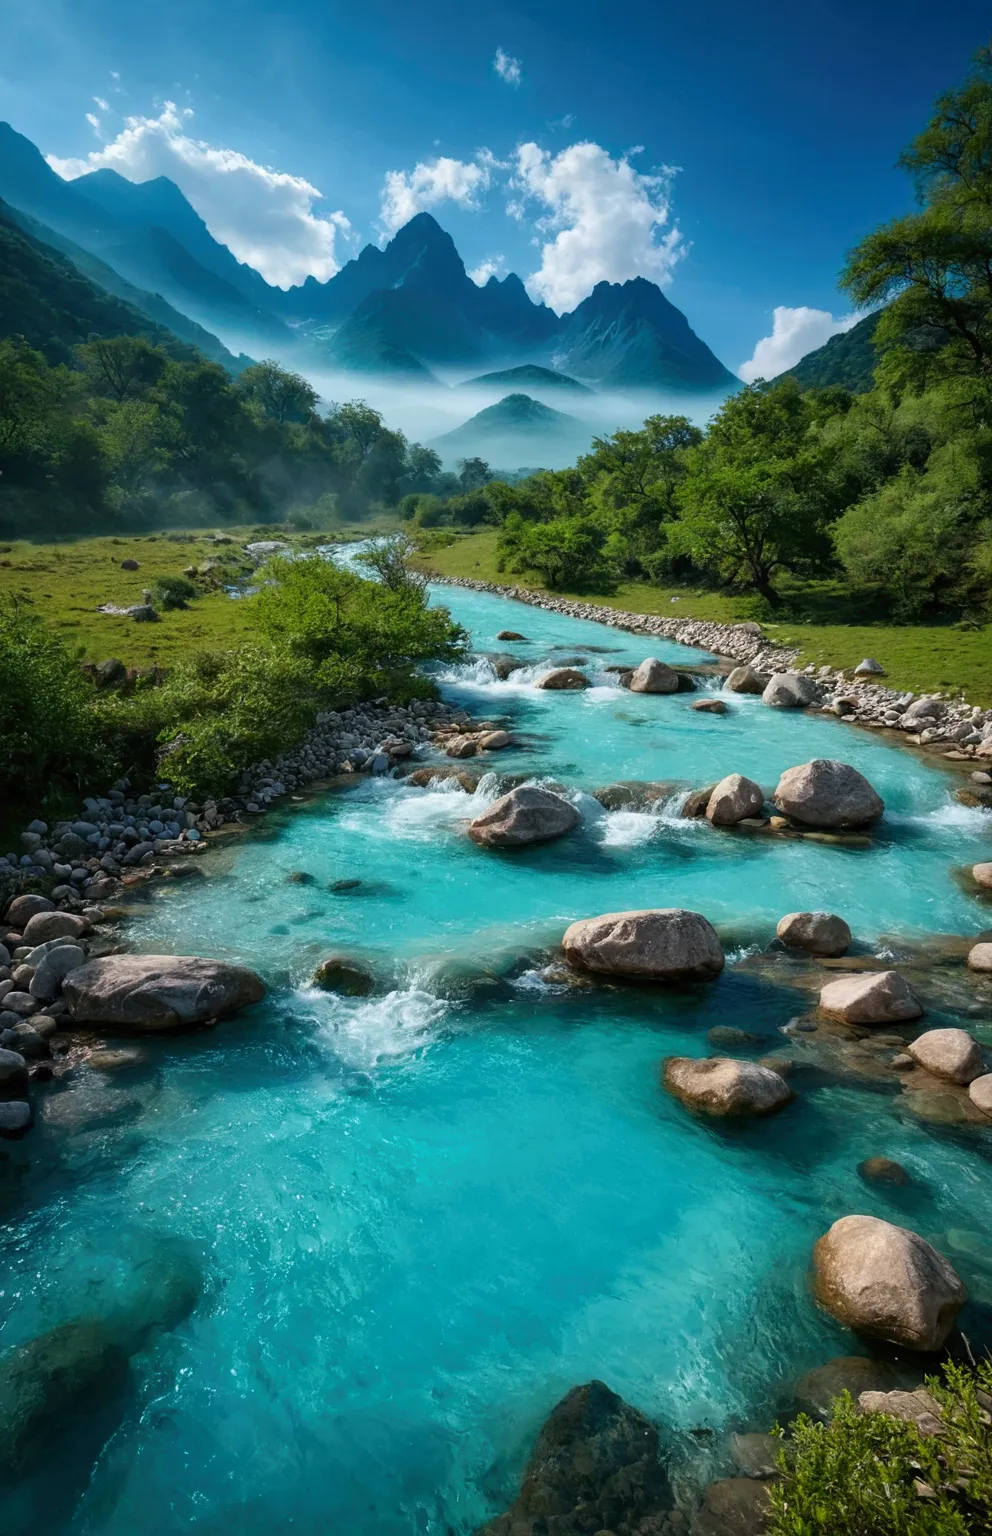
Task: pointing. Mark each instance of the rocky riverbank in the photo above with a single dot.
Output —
(926, 719)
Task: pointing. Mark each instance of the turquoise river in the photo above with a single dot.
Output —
(422, 1216)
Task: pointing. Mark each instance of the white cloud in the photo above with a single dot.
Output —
(103, 105)
(794, 333)
(93, 121)
(406, 193)
(493, 266)
(266, 217)
(507, 67)
(606, 221)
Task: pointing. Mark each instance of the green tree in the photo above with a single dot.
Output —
(568, 553)
(123, 367)
(276, 393)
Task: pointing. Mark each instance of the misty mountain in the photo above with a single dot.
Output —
(46, 299)
(629, 336)
(531, 376)
(847, 359)
(146, 254)
(518, 430)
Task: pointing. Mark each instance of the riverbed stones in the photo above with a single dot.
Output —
(948, 1053)
(883, 1170)
(789, 690)
(746, 680)
(980, 958)
(495, 741)
(53, 968)
(886, 1282)
(827, 793)
(653, 676)
(817, 933)
(818, 1389)
(158, 993)
(980, 1093)
(528, 814)
(15, 1119)
(733, 800)
(23, 908)
(13, 1075)
(656, 944)
(710, 707)
(871, 997)
(720, 1085)
(982, 876)
(595, 1468)
(340, 974)
(54, 925)
(563, 679)
(462, 746)
(732, 1506)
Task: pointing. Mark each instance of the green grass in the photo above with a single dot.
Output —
(66, 583)
(926, 658)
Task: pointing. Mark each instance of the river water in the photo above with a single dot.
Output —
(424, 1215)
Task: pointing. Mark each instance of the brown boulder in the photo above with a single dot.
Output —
(980, 1093)
(886, 1282)
(23, 908)
(54, 925)
(827, 793)
(917, 1408)
(710, 707)
(158, 993)
(654, 676)
(982, 876)
(563, 679)
(719, 1085)
(948, 1053)
(980, 957)
(526, 815)
(657, 944)
(818, 933)
(871, 997)
(733, 800)
(746, 680)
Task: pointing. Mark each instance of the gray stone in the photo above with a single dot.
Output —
(526, 815)
(948, 1053)
(54, 925)
(657, 944)
(21, 1003)
(886, 1282)
(13, 1075)
(917, 1408)
(871, 997)
(789, 690)
(53, 968)
(734, 799)
(827, 793)
(654, 676)
(22, 908)
(15, 1119)
(746, 680)
(818, 933)
(869, 668)
(156, 993)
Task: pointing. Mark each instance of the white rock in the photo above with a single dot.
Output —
(948, 1053)
(657, 944)
(871, 997)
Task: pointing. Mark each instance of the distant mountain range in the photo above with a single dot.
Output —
(530, 376)
(409, 310)
(518, 430)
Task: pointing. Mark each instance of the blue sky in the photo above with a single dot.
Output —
(784, 122)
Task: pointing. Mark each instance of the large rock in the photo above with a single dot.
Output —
(827, 793)
(54, 925)
(340, 974)
(563, 678)
(982, 876)
(595, 1468)
(659, 944)
(789, 690)
(980, 957)
(818, 933)
(53, 968)
(526, 815)
(886, 1282)
(654, 676)
(23, 908)
(156, 993)
(732, 1506)
(871, 997)
(948, 1053)
(746, 680)
(733, 800)
(718, 1085)
(917, 1408)
(980, 1093)
(13, 1075)
(43, 1383)
(15, 1119)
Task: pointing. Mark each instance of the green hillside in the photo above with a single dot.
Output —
(847, 359)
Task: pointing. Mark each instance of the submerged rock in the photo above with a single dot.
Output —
(883, 1170)
(510, 634)
(633, 794)
(657, 944)
(152, 993)
(886, 1282)
(595, 1467)
(80, 1365)
(873, 997)
(827, 793)
(948, 1053)
(563, 678)
(527, 814)
(818, 1389)
(789, 690)
(818, 933)
(732, 1506)
(339, 974)
(15, 1118)
(719, 1085)
(734, 799)
(653, 676)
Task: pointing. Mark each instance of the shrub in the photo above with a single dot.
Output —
(173, 591)
(868, 1474)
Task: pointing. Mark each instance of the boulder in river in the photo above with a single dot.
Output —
(158, 993)
(526, 815)
(695, 803)
(565, 679)
(980, 957)
(982, 876)
(719, 1085)
(45, 1381)
(634, 794)
(980, 1093)
(948, 1053)
(827, 793)
(746, 680)
(710, 707)
(818, 933)
(734, 799)
(505, 666)
(340, 974)
(510, 634)
(886, 1282)
(461, 746)
(658, 944)
(654, 676)
(883, 1170)
(871, 997)
(15, 1119)
(789, 690)
(594, 1468)
(495, 741)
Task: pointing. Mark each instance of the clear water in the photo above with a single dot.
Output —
(422, 1216)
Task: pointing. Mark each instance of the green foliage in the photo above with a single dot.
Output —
(874, 1475)
(276, 393)
(568, 553)
(173, 591)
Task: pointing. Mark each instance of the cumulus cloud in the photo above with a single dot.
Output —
(603, 220)
(406, 193)
(268, 218)
(507, 67)
(794, 333)
(493, 266)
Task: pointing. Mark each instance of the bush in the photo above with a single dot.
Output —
(173, 591)
(868, 1474)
